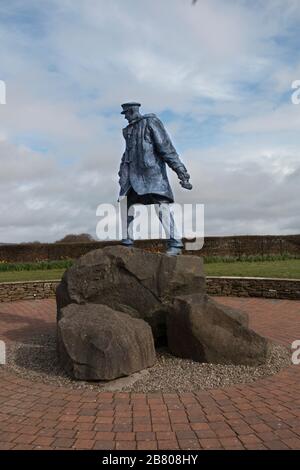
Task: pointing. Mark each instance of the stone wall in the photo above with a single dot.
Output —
(254, 287)
(235, 286)
(10, 291)
(213, 246)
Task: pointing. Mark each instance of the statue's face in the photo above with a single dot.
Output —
(131, 114)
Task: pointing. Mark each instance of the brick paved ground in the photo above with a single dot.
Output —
(262, 415)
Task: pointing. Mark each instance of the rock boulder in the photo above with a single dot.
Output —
(132, 281)
(113, 301)
(98, 343)
(203, 330)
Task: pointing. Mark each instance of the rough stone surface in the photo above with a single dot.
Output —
(231, 286)
(132, 281)
(11, 291)
(98, 343)
(205, 331)
(169, 293)
(272, 288)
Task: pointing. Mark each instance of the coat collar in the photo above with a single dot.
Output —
(145, 116)
(134, 122)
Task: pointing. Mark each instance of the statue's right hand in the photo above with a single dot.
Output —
(182, 174)
(186, 184)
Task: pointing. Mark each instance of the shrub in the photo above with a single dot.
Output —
(39, 265)
(249, 258)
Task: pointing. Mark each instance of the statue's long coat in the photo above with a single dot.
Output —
(143, 164)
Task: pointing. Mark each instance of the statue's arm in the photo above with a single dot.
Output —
(121, 164)
(167, 152)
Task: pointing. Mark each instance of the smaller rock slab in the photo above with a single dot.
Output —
(199, 328)
(96, 342)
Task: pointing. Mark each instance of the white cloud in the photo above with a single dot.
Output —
(69, 64)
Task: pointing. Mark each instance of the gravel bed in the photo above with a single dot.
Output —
(36, 360)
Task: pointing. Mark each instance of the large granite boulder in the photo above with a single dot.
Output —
(203, 330)
(132, 281)
(108, 300)
(98, 343)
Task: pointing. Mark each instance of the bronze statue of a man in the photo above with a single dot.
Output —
(143, 174)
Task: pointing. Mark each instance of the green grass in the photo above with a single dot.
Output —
(37, 265)
(38, 275)
(282, 268)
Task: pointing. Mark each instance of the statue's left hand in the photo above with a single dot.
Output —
(186, 184)
(184, 179)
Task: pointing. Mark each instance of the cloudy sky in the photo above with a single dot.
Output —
(218, 73)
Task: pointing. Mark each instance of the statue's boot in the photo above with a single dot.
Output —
(173, 251)
(127, 242)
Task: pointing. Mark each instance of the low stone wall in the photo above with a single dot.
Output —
(254, 287)
(10, 291)
(235, 286)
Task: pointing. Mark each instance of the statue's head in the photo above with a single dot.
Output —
(131, 111)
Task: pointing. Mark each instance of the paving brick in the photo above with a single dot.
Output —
(200, 426)
(145, 427)
(249, 439)
(276, 445)
(231, 443)
(147, 445)
(189, 444)
(210, 444)
(261, 415)
(104, 445)
(185, 435)
(205, 433)
(83, 444)
(145, 436)
(165, 435)
(24, 439)
(104, 436)
(43, 441)
(63, 442)
(168, 445)
(125, 445)
(125, 436)
(292, 443)
(181, 426)
(6, 445)
(86, 435)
